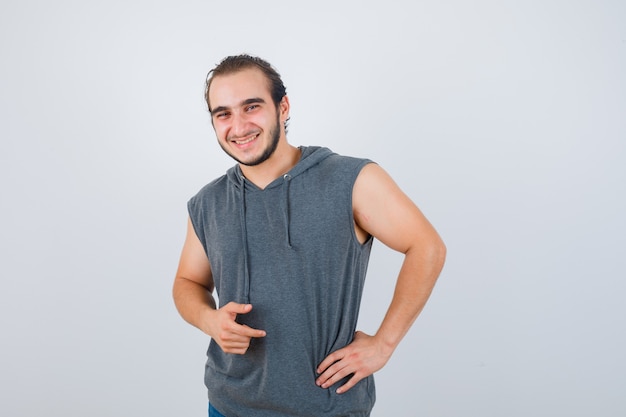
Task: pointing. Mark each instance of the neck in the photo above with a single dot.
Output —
(282, 160)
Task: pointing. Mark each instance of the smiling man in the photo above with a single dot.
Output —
(284, 239)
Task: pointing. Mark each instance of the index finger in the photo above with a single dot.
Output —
(328, 361)
(245, 330)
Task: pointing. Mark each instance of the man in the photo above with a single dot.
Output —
(284, 237)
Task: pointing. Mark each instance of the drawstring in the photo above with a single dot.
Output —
(244, 232)
(287, 179)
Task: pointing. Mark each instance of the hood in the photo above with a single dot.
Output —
(311, 156)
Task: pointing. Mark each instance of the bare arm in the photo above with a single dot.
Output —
(193, 296)
(382, 210)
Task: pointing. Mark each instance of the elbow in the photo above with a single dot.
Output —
(436, 254)
(431, 252)
(441, 252)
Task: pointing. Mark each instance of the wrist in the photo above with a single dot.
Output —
(207, 319)
(387, 344)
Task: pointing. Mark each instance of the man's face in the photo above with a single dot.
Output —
(246, 121)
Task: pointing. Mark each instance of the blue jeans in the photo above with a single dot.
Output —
(214, 413)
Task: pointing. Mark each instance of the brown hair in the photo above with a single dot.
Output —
(236, 63)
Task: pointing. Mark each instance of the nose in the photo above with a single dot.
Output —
(238, 125)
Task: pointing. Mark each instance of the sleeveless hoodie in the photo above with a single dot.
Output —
(291, 251)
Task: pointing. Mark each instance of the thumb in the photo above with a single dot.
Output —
(236, 308)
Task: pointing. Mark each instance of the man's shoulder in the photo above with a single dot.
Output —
(216, 183)
(214, 188)
(345, 162)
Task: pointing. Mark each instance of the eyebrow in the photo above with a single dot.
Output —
(243, 103)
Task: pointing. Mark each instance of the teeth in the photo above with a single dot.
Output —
(243, 142)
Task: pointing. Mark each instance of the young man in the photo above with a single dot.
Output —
(284, 237)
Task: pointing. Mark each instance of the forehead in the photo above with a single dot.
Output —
(230, 89)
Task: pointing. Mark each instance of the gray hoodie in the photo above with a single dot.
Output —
(290, 250)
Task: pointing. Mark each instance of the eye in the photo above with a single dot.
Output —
(252, 107)
(221, 115)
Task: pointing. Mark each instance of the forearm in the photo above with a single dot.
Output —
(194, 302)
(416, 280)
(367, 354)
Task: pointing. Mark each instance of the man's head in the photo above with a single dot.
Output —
(249, 108)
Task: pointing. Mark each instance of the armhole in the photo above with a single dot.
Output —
(355, 235)
(196, 227)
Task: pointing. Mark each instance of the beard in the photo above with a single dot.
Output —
(274, 133)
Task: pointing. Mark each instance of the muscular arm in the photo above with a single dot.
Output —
(193, 296)
(382, 210)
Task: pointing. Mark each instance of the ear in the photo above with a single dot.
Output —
(283, 108)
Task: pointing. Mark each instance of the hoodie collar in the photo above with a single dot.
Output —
(310, 156)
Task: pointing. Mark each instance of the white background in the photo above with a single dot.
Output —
(505, 121)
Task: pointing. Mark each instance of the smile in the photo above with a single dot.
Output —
(244, 141)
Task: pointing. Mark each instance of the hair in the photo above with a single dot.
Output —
(236, 63)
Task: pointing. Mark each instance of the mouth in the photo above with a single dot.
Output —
(246, 140)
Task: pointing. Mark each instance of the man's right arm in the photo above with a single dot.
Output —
(193, 296)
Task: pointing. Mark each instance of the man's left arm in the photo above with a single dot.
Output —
(382, 210)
